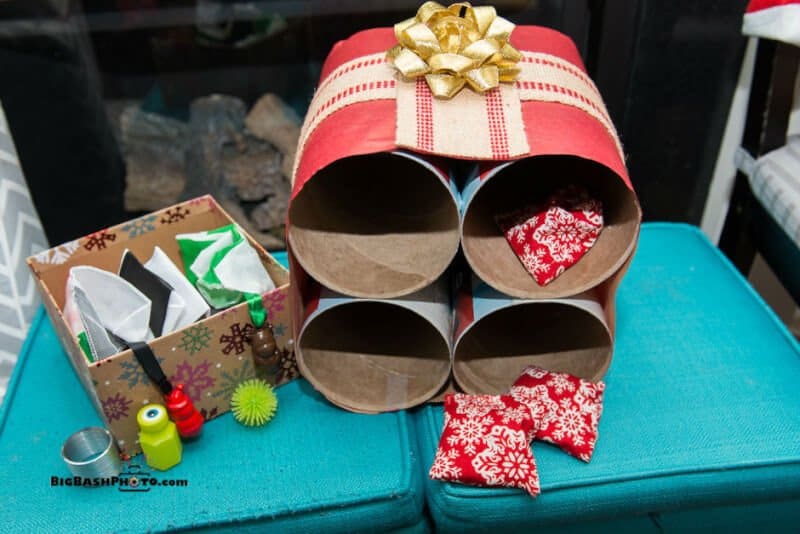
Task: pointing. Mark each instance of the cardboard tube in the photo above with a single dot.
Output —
(514, 185)
(498, 336)
(371, 355)
(375, 226)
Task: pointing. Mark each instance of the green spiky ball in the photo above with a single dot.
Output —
(253, 402)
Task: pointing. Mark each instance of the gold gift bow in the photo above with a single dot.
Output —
(455, 46)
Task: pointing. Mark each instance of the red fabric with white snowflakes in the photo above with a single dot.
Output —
(486, 442)
(551, 237)
(567, 408)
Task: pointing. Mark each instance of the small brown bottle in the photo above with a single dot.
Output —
(265, 349)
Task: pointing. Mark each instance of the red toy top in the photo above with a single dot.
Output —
(183, 413)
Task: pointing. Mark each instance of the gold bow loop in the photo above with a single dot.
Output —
(455, 46)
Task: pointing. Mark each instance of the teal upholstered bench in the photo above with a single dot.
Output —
(314, 468)
(701, 430)
(701, 423)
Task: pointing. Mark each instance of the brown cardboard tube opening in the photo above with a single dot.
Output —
(556, 336)
(379, 226)
(374, 356)
(529, 181)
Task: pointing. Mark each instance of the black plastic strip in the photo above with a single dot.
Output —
(151, 367)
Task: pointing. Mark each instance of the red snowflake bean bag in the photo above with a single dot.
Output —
(550, 238)
(567, 408)
(486, 442)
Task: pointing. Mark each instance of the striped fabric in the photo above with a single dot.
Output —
(493, 120)
(470, 125)
(775, 180)
(21, 235)
(775, 177)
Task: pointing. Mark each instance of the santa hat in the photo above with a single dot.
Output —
(773, 19)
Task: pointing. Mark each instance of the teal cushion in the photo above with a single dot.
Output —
(702, 411)
(281, 257)
(314, 468)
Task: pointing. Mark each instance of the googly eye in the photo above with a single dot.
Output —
(152, 414)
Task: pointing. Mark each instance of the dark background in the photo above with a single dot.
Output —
(666, 69)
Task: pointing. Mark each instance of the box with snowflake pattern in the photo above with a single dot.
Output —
(210, 356)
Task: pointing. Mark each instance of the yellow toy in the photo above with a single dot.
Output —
(253, 402)
(158, 437)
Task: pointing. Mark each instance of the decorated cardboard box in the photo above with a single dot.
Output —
(210, 356)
